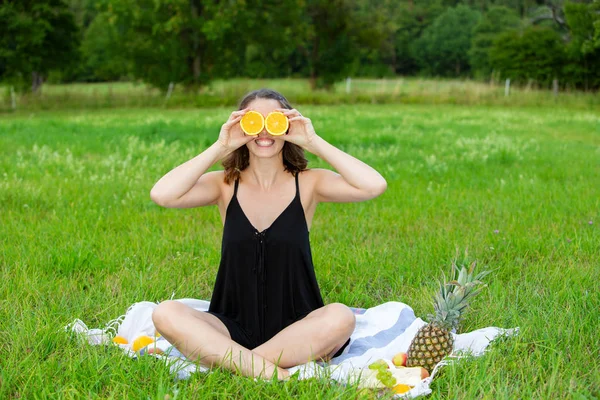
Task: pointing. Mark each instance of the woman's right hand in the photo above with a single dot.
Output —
(231, 136)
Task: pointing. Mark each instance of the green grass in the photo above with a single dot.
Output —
(519, 189)
(362, 91)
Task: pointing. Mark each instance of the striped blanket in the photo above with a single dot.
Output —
(381, 332)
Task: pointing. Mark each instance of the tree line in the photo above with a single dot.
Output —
(191, 42)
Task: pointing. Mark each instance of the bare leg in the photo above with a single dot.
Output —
(317, 336)
(203, 337)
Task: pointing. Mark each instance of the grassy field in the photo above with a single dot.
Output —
(361, 91)
(519, 189)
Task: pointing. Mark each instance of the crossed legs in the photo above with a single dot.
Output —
(203, 337)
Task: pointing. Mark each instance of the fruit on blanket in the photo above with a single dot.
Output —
(382, 378)
(276, 123)
(399, 359)
(434, 341)
(155, 350)
(120, 340)
(378, 365)
(141, 342)
(401, 388)
(252, 123)
(385, 376)
(410, 376)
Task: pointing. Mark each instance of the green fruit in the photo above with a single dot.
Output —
(386, 377)
(379, 364)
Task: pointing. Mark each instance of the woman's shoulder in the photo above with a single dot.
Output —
(215, 176)
(311, 179)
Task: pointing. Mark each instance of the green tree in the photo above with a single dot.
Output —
(102, 52)
(36, 37)
(443, 48)
(271, 38)
(330, 45)
(595, 41)
(583, 67)
(412, 19)
(496, 20)
(180, 41)
(375, 26)
(84, 11)
(537, 54)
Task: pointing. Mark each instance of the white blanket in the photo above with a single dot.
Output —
(380, 333)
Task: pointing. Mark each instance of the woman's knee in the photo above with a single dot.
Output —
(340, 320)
(165, 314)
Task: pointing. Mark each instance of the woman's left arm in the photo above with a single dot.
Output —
(355, 180)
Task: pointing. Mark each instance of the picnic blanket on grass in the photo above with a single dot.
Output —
(380, 333)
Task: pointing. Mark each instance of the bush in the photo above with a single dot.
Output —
(443, 47)
(497, 20)
(537, 54)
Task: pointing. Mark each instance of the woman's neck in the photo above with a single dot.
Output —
(265, 172)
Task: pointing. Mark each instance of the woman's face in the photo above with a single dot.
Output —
(265, 145)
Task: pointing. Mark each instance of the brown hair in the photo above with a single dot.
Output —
(294, 160)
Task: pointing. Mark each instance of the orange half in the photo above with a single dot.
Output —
(276, 123)
(252, 123)
(120, 340)
(141, 342)
(401, 388)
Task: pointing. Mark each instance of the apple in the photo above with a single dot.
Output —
(399, 359)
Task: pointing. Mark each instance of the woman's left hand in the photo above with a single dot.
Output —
(301, 131)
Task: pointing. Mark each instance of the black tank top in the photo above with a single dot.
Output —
(266, 280)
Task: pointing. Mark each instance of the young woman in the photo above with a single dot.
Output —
(266, 311)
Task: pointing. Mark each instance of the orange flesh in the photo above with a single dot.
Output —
(276, 123)
(401, 388)
(252, 123)
(119, 340)
(141, 342)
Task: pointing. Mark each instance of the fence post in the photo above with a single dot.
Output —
(13, 98)
(348, 85)
(555, 87)
(507, 87)
(169, 91)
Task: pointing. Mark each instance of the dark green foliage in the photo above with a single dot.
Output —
(102, 52)
(495, 21)
(583, 52)
(376, 23)
(192, 42)
(537, 54)
(330, 43)
(411, 22)
(443, 47)
(36, 37)
(179, 41)
(270, 40)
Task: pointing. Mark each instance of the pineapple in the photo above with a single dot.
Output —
(434, 341)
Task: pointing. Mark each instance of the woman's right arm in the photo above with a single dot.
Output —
(188, 185)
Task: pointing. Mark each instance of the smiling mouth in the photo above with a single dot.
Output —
(264, 142)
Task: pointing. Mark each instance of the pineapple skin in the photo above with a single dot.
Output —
(430, 345)
(434, 341)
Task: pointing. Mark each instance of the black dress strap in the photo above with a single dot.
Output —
(297, 185)
(235, 187)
